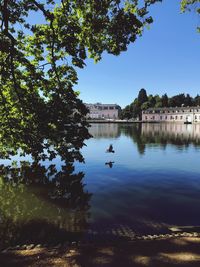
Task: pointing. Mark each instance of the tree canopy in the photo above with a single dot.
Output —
(39, 108)
(149, 101)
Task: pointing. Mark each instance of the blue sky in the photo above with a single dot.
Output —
(164, 60)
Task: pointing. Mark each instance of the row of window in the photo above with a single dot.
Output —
(95, 116)
(103, 108)
(171, 117)
(108, 116)
(103, 112)
(171, 111)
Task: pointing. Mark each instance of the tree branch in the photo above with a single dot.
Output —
(46, 13)
(5, 15)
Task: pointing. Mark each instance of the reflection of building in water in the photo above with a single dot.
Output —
(104, 130)
(178, 114)
(103, 111)
(172, 131)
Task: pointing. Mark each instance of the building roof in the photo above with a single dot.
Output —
(99, 104)
(172, 108)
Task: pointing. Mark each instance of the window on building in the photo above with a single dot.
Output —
(171, 117)
(111, 107)
(145, 117)
(153, 117)
(166, 117)
(176, 117)
(181, 117)
(160, 117)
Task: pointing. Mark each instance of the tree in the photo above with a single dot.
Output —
(136, 109)
(126, 113)
(152, 101)
(142, 96)
(40, 112)
(177, 100)
(197, 100)
(158, 101)
(164, 100)
(145, 105)
(188, 101)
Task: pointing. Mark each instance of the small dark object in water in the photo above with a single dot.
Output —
(110, 149)
(110, 163)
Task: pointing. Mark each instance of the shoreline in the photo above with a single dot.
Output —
(139, 122)
(112, 121)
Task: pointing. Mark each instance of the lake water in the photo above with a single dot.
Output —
(149, 185)
(154, 182)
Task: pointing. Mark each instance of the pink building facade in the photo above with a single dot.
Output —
(103, 111)
(177, 114)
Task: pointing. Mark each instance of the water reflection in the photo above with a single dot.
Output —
(134, 132)
(159, 134)
(110, 164)
(172, 133)
(147, 193)
(43, 204)
(105, 130)
(40, 204)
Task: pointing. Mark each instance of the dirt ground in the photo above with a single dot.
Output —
(181, 251)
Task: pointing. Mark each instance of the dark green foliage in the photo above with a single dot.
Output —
(165, 100)
(188, 101)
(40, 112)
(134, 109)
(177, 100)
(197, 100)
(142, 96)
(126, 112)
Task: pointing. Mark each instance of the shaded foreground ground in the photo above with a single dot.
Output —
(181, 251)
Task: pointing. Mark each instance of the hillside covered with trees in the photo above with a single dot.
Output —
(144, 101)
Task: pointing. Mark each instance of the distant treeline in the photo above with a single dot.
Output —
(144, 101)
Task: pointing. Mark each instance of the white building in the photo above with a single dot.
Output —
(103, 111)
(177, 114)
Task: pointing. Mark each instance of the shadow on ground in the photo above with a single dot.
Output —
(183, 251)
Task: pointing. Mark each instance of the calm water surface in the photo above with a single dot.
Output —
(154, 181)
(150, 183)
